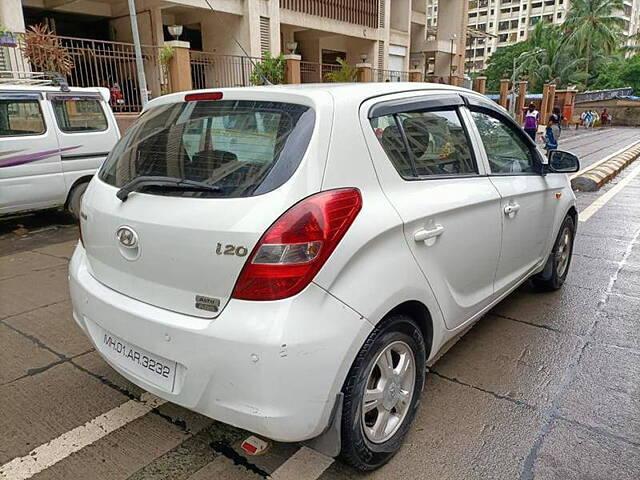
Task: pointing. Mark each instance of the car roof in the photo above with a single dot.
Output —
(46, 88)
(351, 92)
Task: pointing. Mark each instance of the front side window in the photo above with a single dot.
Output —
(77, 114)
(506, 151)
(424, 144)
(20, 117)
(240, 147)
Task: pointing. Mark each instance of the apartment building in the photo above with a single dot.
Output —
(381, 32)
(509, 21)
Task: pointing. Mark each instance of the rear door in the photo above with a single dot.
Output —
(183, 250)
(428, 169)
(528, 199)
(30, 168)
(85, 131)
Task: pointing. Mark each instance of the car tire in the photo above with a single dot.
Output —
(75, 199)
(366, 443)
(557, 267)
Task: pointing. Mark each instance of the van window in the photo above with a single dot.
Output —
(21, 117)
(77, 114)
(243, 147)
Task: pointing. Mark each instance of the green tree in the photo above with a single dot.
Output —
(594, 29)
(556, 61)
(620, 72)
(500, 64)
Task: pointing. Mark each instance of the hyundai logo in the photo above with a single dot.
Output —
(127, 237)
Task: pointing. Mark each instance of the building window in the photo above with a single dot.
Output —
(503, 37)
(514, 23)
(559, 15)
(503, 26)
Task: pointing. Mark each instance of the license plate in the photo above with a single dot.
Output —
(152, 368)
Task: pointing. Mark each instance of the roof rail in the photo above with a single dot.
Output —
(14, 77)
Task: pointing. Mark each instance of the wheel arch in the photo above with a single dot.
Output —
(78, 181)
(573, 213)
(419, 312)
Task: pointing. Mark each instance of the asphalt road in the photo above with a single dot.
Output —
(546, 386)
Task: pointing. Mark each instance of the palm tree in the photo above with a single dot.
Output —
(593, 26)
(555, 63)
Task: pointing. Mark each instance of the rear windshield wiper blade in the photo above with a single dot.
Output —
(161, 181)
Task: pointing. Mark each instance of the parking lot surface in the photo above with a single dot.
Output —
(546, 386)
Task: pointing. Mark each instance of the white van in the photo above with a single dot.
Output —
(52, 141)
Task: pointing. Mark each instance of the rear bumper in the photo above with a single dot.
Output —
(273, 368)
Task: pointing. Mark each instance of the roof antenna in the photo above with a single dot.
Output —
(264, 79)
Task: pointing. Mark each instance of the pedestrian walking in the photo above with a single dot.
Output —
(553, 131)
(531, 120)
(604, 118)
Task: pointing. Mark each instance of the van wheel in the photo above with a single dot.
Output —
(382, 393)
(557, 267)
(75, 199)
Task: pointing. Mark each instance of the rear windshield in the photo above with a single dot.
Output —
(242, 147)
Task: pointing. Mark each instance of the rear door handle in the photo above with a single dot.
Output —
(511, 209)
(424, 235)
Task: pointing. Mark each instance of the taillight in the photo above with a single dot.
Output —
(295, 247)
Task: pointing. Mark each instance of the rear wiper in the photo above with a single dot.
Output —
(162, 181)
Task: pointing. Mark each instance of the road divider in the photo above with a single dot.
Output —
(594, 176)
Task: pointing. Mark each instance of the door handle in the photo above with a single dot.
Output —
(511, 209)
(424, 235)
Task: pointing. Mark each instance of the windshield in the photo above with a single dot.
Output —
(242, 147)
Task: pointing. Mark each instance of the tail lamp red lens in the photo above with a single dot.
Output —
(297, 245)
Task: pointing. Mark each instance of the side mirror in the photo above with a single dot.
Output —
(562, 162)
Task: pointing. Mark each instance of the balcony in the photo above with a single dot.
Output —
(359, 12)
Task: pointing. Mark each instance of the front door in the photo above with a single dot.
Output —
(450, 209)
(527, 197)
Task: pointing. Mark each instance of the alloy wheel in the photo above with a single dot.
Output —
(388, 393)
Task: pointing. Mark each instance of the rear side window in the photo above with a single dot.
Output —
(21, 117)
(242, 147)
(77, 114)
(425, 144)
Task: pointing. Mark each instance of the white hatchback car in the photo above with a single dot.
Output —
(287, 259)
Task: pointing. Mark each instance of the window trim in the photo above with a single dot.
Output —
(44, 120)
(435, 107)
(84, 96)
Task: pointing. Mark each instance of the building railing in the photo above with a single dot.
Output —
(380, 75)
(211, 70)
(359, 12)
(98, 63)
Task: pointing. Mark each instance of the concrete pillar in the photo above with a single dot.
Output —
(451, 37)
(504, 92)
(180, 67)
(292, 69)
(274, 28)
(415, 76)
(364, 72)
(480, 84)
(544, 113)
(251, 24)
(520, 102)
(552, 98)
(11, 16)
